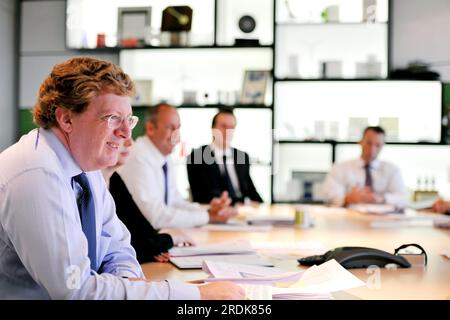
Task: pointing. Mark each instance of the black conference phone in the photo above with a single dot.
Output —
(357, 257)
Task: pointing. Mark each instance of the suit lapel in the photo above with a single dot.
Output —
(239, 169)
(214, 166)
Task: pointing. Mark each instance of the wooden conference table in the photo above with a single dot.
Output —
(340, 227)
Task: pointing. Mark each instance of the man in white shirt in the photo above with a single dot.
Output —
(150, 177)
(367, 179)
(60, 237)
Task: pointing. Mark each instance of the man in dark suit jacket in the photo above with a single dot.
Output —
(217, 167)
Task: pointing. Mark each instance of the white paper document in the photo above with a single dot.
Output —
(263, 292)
(275, 221)
(375, 208)
(237, 227)
(257, 292)
(442, 222)
(240, 273)
(317, 282)
(328, 277)
(404, 220)
(228, 247)
(196, 262)
(408, 223)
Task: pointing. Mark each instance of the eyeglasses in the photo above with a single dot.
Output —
(114, 122)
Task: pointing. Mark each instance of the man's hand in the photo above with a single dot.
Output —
(179, 238)
(220, 210)
(441, 206)
(221, 290)
(223, 215)
(362, 195)
(163, 257)
(218, 204)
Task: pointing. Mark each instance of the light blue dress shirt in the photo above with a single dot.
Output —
(43, 250)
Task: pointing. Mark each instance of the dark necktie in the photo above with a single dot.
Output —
(166, 190)
(368, 182)
(227, 182)
(86, 209)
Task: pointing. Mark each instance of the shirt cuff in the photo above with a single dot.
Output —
(128, 274)
(394, 200)
(182, 291)
(199, 218)
(204, 217)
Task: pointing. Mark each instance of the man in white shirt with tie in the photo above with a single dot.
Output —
(367, 179)
(150, 178)
(60, 237)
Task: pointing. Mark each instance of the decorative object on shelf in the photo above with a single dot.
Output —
(330, 14)
(228, 98)
(190, 97)
(101, 40)
(132, 25)
(418, 70)
(369, 11)
(177, 18)
(143, 94)
(254, 86)
(391, 127)
(319, 130)
(326, 130)
(177, 22)
(332, 69)
(333, 132)
(355, 127)
(369, 69)
(247, 24)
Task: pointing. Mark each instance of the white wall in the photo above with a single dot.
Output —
(7, 74)
(420, 32)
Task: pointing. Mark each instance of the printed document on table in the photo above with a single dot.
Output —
(375, 208)
(228, 247)
(236, 227)
(222, 271)
(325, 278)
(196, 262)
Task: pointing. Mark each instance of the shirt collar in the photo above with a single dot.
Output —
(373, 165)
(157, 155)
(68, 163)
(219, 152)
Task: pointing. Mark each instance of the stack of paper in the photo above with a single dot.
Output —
(241, 273)
(257, 292)
(328, 277)
(317, 282)
(276, 221)
(240, 227)
(442, 222)
(231, 251)
(228, 247)
(375, 208)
